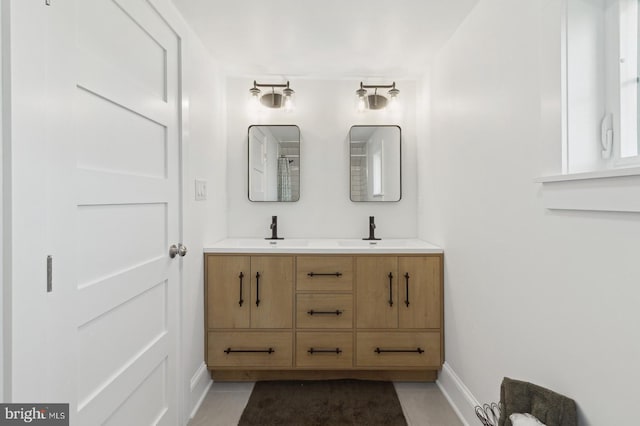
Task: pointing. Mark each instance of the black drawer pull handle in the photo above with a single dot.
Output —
(390, 289)
(325, 351)
(418, 350)
(241, 276)
(257, 288)
(406, 301)
(332, 274)
(249, 351)
(336, 312)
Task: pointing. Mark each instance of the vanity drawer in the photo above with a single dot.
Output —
(324, 311)
(398, 349)
(327, 350)
(324, 273)
(250, 349)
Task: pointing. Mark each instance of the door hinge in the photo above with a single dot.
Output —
(49, 274)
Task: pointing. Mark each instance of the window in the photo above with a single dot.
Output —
(629, 87)
(602, 63)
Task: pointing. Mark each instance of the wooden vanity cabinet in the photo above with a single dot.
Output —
(402, 294)
(398, 292)
(324, 316)
(249, 291)
(245, 294)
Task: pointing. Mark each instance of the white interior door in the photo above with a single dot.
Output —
(127, 141)
(115, 299)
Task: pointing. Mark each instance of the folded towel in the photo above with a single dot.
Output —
(549, 407)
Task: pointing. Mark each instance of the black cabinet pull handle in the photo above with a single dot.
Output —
(325, 351)
(336, 312)
(332, 274)
(241, 276)
(257, 288)
(418, 350)
(406, 276)
(248, 351)
(390, 289)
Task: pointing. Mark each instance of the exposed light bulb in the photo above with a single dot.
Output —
(254, 100)
(288, 98)
(361, 100)
(288, 104)
(253, 105)
(393, 94)
(361, 104)
(393, 103)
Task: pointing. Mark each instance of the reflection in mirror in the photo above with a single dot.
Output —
(274, 163)
(375, 163)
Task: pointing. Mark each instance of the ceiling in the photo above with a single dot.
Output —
(325, 39)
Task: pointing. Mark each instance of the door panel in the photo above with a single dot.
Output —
(108, 131)
(153, 389)
(135, 229)
(140, 56)
(102, 338)
(223, 291)
(423, 310)
(275, 289)
(373, 296)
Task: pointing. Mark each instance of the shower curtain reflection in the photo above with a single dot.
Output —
(284, 179)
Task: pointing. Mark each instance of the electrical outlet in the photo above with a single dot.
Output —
(201, 190)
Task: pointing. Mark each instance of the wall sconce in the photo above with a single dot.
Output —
(273, 99)
(376, 101)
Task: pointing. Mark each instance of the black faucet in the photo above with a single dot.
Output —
(274, 229)
(372, 229)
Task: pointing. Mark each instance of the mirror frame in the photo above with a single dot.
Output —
(399, 159)
(249, 168)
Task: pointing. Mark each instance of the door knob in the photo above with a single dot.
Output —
(176, 250)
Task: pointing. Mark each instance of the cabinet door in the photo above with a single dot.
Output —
(419, 290)
(228, 280)
(271, 291)
(377, 292)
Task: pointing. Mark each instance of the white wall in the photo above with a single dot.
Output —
(204, 221)
(544, 296)
(203, 158)
(325, 111)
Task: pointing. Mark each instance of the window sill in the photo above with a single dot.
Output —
(616, 190)
(599, 174)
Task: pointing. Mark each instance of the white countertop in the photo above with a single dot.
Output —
(323, 246)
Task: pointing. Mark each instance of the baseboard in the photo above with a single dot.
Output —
(458, 395)
(200, 385)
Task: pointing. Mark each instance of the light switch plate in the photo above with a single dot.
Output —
(201, 190)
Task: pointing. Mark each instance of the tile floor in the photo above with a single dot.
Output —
(423, 405)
